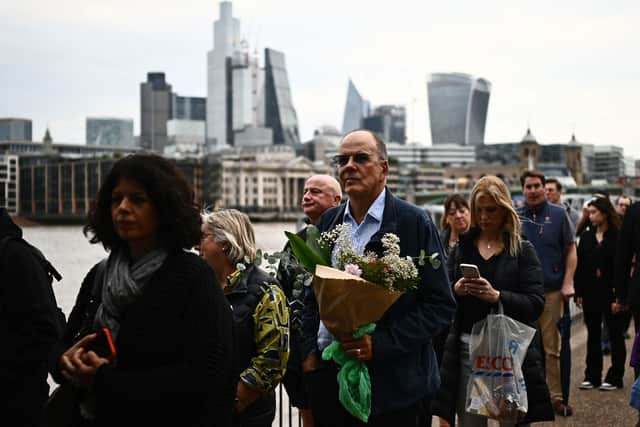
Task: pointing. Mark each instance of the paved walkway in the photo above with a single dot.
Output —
(595, 407)
(591, 407)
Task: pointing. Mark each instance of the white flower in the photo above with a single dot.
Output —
(391, 244)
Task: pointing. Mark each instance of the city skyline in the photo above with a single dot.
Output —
(557, 68)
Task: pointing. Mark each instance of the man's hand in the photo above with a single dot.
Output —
(567, 291)
(310, 363)
(358, 348)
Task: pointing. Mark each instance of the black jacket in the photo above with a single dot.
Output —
(519, 280)
(404, 368)
(628, 288)
(174, 350)
(596, 289)
(244, 297)
(28, 330)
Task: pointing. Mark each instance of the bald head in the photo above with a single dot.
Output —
(321, 192)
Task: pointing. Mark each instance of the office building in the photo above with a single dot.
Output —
(110, 131)
(226, 39)
(156, 101)
(389, 121)
(458, 105)
(607, 163)
(188, 108)
(186, 131)
(355, 110)
(246, 104)
(13, 129)
(9, 180)
(280, 115)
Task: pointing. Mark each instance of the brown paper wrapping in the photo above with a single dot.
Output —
(347, 302)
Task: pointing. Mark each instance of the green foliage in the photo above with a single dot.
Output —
(307, 255)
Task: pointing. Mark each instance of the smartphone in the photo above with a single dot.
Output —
(470, 271)
(103, 345)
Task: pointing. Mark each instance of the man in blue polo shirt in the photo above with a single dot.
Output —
(549, 229)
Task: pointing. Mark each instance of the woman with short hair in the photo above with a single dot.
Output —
(260, 314)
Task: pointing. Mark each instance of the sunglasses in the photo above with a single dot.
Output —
(343, 159)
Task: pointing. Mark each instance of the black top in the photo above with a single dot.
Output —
(519, 280)
(594, 273)
(28, 329)
(628, 288)
(474, 308)
(174, 363)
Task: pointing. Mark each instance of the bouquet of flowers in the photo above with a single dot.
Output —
(353, 296)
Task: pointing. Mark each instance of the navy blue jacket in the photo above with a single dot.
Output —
(404, 368)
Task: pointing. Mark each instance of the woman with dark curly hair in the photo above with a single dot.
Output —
(166, 312)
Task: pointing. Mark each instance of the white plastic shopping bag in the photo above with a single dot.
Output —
(497, 348)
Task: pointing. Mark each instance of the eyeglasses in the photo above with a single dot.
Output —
(343, 159)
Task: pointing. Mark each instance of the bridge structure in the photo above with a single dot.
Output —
(438, 197)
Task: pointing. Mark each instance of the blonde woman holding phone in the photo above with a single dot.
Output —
(510, 273)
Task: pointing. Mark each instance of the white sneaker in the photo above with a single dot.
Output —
(607, 386)
(585, 385)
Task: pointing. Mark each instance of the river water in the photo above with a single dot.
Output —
(72, 255)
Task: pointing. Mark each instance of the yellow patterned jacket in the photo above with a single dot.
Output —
(261, 318)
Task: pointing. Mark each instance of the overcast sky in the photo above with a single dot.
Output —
(559, 66)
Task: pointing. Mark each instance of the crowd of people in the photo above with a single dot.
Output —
(205, 340)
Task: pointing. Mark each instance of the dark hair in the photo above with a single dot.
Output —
(532, 174)
(172, 197)
(554, 181)
(623, 196)
(604, 205)
(458, 200)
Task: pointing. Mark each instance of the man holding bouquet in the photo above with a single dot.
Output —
(398, 353)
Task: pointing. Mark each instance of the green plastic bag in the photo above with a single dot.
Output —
(354, 384)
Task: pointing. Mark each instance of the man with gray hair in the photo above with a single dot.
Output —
(320, 193)
(399, 354)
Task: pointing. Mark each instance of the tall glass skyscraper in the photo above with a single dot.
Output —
(226, 39)
(280, 115)
(389, 121)
(355, 110)
(458, 105)
(246, 104)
